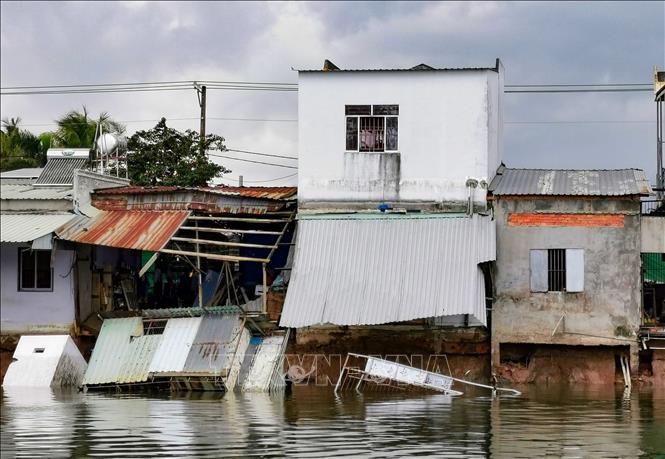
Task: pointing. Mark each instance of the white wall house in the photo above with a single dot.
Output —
(397, 136)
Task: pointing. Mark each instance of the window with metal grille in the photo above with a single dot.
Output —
(35, 273)
(371, 128)
(154, 327)
(556, 270)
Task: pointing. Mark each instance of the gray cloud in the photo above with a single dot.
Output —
(55, 43)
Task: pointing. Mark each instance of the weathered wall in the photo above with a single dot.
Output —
(322, 350)
(450, 125)
(607, 312)
(36, 312)
(85, 182)
(653, 234)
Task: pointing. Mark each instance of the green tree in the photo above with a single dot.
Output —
(77, 129)
(19, 148)
(165, 156)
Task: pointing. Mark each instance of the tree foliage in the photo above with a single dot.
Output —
(20, 148)
(77, 130)
(166, 156)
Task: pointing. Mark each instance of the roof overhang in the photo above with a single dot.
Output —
(368, 270)
(26, 227)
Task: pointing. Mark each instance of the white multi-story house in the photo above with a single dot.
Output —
(392, 177)
(409, 136)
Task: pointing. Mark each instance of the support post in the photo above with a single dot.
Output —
(198, 268)
(265, 289)
(202, 133)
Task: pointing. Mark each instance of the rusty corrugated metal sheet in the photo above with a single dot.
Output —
(260, 192)
(127, 229)
(570, 182)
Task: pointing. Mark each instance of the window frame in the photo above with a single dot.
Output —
(370, 115)
(20, 287)
(541, 273)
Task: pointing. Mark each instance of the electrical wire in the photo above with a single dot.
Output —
(236, 179)
(252, 161)
(261, 154)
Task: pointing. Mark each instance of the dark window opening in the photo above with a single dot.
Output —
(35, 272)
(39, 350)
(372, 133)
(375, 133)
(556, 270)
(154, 327)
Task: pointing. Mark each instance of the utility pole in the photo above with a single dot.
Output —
(201, 92)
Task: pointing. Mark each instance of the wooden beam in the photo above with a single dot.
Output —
(239, 219)
(227, 231)
(279, 239)
(212, 256)
(222, 243)
(148, 264)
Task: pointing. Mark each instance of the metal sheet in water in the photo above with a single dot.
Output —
(214, 345)
(112, 346)
(269, 352)
(136, 365)
(177, 340)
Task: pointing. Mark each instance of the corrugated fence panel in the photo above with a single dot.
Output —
(214, 344)
(136, 367)
(175, 346)
(113, 344)
(381, 270)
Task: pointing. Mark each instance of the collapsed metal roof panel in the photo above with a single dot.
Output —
(213, 348)
(112, 347)
(28, 227)
(60, 171)
(127, 229)
(178, 336)
(365, 272)
(569, 182)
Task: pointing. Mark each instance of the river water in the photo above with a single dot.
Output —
(312, 422)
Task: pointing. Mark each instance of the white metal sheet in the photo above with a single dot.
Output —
(371, 271)
(538, 270)
(575, 270)
(177, 339)
(264, 364)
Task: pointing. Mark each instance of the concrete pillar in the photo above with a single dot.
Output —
(634, 360)
(495, 355)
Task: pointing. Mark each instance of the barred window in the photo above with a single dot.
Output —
(371, 128)
(35, 273)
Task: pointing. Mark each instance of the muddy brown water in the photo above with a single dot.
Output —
(545, 421)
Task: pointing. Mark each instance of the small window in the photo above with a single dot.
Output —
(371, 128)
(35, 272)
(39, 350)
(154, 327)
(557, 270)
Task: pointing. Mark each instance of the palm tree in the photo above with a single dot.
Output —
(77, 130)
(18, 147)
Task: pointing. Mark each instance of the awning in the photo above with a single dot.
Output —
(28, 227)
(125, 229)
(364, 270)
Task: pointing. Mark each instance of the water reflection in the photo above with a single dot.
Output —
(544, 422)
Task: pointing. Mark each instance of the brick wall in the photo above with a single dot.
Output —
(584, 220)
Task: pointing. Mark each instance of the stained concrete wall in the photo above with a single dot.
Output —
(450, 127)
(85, 182)
(36, 312)
(653, 234)
(607, 312)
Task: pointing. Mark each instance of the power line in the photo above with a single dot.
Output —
(154, 120)
(583, 122)
(260, 181)
(251, 161)
(261, 154)
(544, 91)
(599, 85)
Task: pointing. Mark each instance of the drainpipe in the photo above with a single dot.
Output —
(470, 183)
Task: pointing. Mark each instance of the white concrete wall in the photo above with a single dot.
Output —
(653, 234)
(450, 127)
(36, 312)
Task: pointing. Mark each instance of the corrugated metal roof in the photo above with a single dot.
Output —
(571, 182)
(26, 191)
(364, 272)
(112, 347)
(177, 341)
(60, 171)
(28, 172)
(28, 227)
(213, 347)
(127, 229)
(259, 192)
(417, 68)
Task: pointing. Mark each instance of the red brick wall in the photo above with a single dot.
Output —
(585, 220)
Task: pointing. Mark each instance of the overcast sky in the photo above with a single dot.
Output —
(539, 43)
